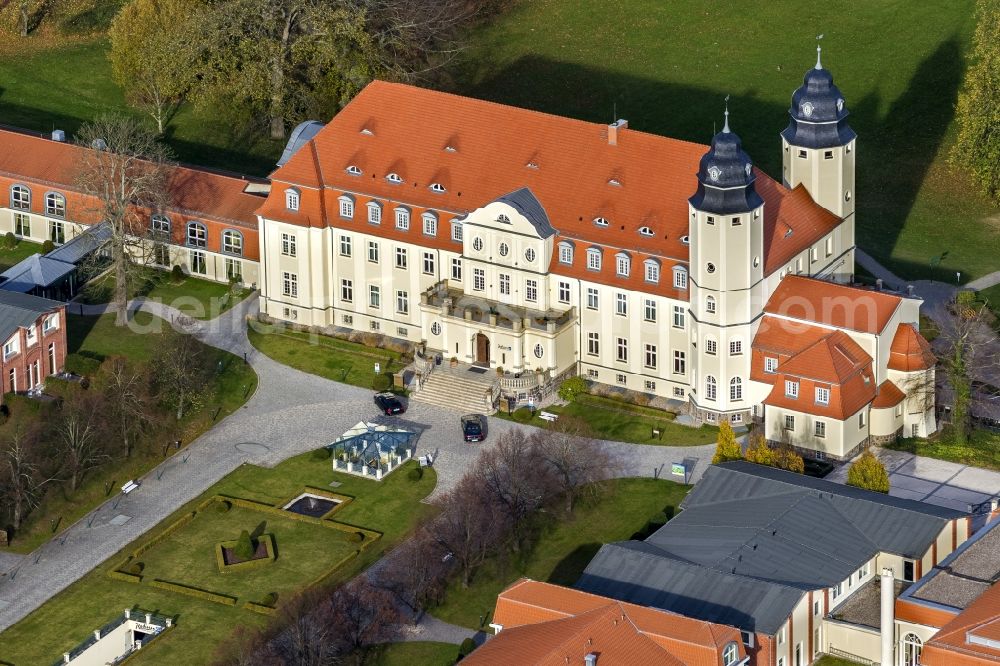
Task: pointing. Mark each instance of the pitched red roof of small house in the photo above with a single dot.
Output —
(972, 638)
(836, 305)
(888, 395)
(910, 351)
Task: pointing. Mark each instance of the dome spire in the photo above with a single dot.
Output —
(819, 49)
(725, 127)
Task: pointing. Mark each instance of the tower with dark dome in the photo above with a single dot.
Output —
(726, 229)
(818, 145)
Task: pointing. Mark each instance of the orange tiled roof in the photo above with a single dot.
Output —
(837, 305)
(786, 337)
(833, 359)
(195, 192)
(694, 642)
(889, 395)
(482, 150)
(910, 351)
(951, 646)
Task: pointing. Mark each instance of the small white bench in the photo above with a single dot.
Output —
(129, 487)
(426, 461)
(548, 416)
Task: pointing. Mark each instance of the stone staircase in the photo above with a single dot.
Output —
(459, 389)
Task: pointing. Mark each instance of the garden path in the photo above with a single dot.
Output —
(291, 412)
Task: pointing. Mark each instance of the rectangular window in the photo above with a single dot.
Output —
(346, 319)
(592, 298)
(504, 284)
(456, 269)
(456, 231)
(347, 290)
(198, 264)
(346, 208)
(402, 302)
(20, 198)
(829, 246)
(161, 254)
(374, 325)
(401, 332)
(649, 310)
(621, 350)
(861, 419)
(51, 323)
(621, 304)
(652, 271)
(623, 266)
(30, 335)
(374, 213)
(401, 257)
(710, 305)
(770, 364)
(345, 246)
(650, 356)
(678, 316)
(736, 222)
(10, 348)
(789, 422)
(593, 344)
(711, 346)
(565, 254)
(680, 362)
(593, 260)
(429, 263)
(290, 284)
(735, 347)
(373, 252)
(813, 254)
(564, 292)
(649, 386)
(909, 571)
(288, 245)
(820, 429)
(57, 232)
(791, 389)
(678, 392)
(816, 607)
(802, 154)
(593, 374)
(22, 224)
(680, 279)
(711, 220)
(478, 279)
(828, 155)
(402, 219)
(822, 396)
(430, 225)
(798, 265)
(531, 290)
(914, 430)
(234, 269)
(374, 296)
(621, 379)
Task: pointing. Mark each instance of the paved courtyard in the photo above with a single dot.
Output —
(292, 412)
(935, 481)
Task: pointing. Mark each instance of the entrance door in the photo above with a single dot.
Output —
(482, 349)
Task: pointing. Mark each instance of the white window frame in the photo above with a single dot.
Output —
(710, 304)
(196, 235)
(374, 252)
(402, 302)
(735, 389)
(652, 270)
(347, 290)
(621, 304)
(429, 263)
(621, 350)
(711, 388)
(649, 356)
(679, 320)
(564, 292)
(159, 224)
(346, 207)
(531, 290)
(822, 396)
(402, 258)
(346, 246)
(288, 245)
(791, 389)
(593, 298)
(593, 259)
(232, 242)
(680, 362)
(711, 346)
(770, 364)
(292, 199)
(735, 347)
(55, 204)
(456, 269)
(290, 285)
(198, 262)
(503, 284)
(374, 296)
(649, 310)
(374, 212)
(680, 277)
(819, 429)
(20, 197)
(623, 264)
(594, 344)
(565, 252)
(478, 279)
(456, 231)
(430, 221)
(403, 218)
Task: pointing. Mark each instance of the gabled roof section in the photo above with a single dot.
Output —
(910, 351)
(888, 395)
(525, 203)
(34, 271)
(836, 305)
(301, 135)
(793, 223)
(834, 359)
(21, 310)
(973, 637)
(784, 337)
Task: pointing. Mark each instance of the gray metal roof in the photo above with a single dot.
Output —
(525, 203)
(640, 573)
(21, 310)
(34, 271)
(300, 136)
(82, 245)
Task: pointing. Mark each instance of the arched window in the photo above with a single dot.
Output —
(623, 264)
(394, 178)
(197, 235)
(565, 252)
(403, 218)
(594, 259)
(20, 197)
(346, 206)
(710, 304)
(680, 277)
(912, 646)
(55, 204)
(160, 225)
(710, 388)
(430, 221)
(735, 388)
(652, 270)
(601, 221)
(437, 187)
(232, 242)
(645, 231)
(292, 199)
(374, 212)
(730, 655)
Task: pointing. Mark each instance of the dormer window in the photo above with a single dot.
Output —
(652, 270)
(346, 206)
(430, 221)
(353, 170)
(437, 187)
(367, 132)
(614, 182)
(593, 259)
(450, 149)
(623, 264)
(565, 252)
(601, 221)
(645, 231)
(292, 199)
(374, 212)
(394, 178)
(685, 240)
(791, 389)
(403, 218)
(680, 277)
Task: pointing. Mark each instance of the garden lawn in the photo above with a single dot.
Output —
(827, 660)
(668, 66)
(565, 547)
(332, 358)
(991, 296)
(983, 449)
(196, 298)
(620, 426)
(97, 338)
(416, 653)
(23, 250)
(391, 506)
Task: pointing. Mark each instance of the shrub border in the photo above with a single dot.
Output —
(259, 608)
(220, 558)
(196, 592)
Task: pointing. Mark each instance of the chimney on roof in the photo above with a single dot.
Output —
(59, 135)
(590, 659)
(909, 290)
(614, 128)
(878, 284)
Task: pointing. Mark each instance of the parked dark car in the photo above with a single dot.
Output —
(474, 427)
(389, 403)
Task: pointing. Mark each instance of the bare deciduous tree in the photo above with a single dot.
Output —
(415, 573)
(513, 475)
(21, 482)
(78, 431)
(575, 461)
(470, 527)
(126, 394)
(363, 615)
(124, 169)
(181, 374)
(971, 352)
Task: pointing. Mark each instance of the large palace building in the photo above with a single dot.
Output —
(533, 243)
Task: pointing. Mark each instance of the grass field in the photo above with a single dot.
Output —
(983, 449)
(566, 547)
(335, 359)
(391, 507)
(97, 338)
(417, 653)
(196, 298)
(22, 250)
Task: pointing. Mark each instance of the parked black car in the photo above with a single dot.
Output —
(389, 403)
(474, 427)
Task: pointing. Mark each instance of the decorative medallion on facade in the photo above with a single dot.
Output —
(840, 104)
(807, 109)
(714, 172)
(436, 328)
(503, 249)
(529, 255)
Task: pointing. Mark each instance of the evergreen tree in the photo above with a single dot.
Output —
(244, 548)
(869, 473)
(727, 448)
(978, 110)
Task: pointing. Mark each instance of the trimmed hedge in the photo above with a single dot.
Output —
(220, 559)
(370, 535)
(176, 525)
(195, 592)
(259, 608)
(122, 576)
(335, 567)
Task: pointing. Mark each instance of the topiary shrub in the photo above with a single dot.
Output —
(48, 246)
(571, 388)
(321, 454)
(466, 648)
(415, 474)
(726, 447)
(244, 548)
(356, 537)
(381, 382)
(223, 506)
(869, 473)
(9, 240)
(81, 365)
(136, 568)
(177, 273)
(270, 599)
(522, 415)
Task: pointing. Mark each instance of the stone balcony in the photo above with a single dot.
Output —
(457, 304)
